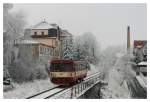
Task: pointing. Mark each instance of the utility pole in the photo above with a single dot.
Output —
(78, 51)
(93, 52)
(59, 40)
(94, 55)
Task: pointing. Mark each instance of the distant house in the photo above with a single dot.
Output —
(140, 49)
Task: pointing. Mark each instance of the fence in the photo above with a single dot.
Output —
(79, 89)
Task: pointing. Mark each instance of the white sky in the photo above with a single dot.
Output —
(108, 22)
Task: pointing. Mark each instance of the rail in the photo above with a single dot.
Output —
(40, 94)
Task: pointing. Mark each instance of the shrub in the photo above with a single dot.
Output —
(22, 71)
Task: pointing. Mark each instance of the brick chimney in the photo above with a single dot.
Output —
(128, 38)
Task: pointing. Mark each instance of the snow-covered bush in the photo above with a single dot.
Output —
(21, 68)
(22, 71)
(13, 26)
(40, 72)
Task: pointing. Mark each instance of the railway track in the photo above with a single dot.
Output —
(47, 93)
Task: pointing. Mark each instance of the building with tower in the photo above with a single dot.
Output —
(44, 41)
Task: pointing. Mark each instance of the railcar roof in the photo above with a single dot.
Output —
(66, 60)
(61, 60)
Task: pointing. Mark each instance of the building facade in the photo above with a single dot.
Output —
(44, 41)
(34, 51)
(47, 34)
(140, 50)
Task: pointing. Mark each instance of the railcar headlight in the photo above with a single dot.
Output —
(71, 74)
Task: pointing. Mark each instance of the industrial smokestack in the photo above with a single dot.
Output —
(128, 38)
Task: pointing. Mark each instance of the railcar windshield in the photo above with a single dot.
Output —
(61, 67)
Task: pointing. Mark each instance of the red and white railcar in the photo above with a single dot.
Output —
(67, 71)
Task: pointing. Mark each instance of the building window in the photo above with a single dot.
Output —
(56, 43)
(35, 33)
(42, 33)
(41, 50)
(48, 51)
(45, 51)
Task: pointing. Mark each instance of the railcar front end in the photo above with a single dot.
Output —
(66, 72)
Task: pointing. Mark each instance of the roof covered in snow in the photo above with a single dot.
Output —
(65, 33)
(26, 42)
(43, 25)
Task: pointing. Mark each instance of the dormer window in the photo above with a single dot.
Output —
(42, 33)
(35, 33)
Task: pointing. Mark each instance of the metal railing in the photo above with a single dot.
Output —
(79, 89)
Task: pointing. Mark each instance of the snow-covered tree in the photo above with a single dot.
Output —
(87, 47)
(13, 24)
(13, 27)
(21, 67)
(108, 58)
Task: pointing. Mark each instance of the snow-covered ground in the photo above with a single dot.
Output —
(26, 89)
(117, 87)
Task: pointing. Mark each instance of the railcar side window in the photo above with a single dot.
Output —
(76, 66)
(79, 66)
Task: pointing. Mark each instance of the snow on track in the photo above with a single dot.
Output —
(49, 93)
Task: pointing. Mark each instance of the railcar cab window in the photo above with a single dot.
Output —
(61, 67)
(80, 66)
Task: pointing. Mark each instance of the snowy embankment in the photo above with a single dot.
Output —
(116, 86)
(26, 89)
(117, 76)
(93, 70)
